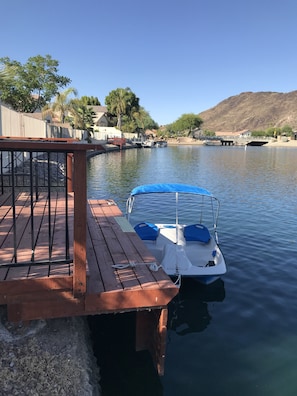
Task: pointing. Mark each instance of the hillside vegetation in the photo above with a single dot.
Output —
(252, 111)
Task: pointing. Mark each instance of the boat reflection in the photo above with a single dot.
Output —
(188, 311)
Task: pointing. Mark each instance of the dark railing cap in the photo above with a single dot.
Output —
(43, 144)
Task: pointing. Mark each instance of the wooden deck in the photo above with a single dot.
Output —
(119, 276)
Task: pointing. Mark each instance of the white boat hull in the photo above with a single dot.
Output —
(148, 144)
(177, 256)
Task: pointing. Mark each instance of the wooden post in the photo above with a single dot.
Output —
(69, 172)
(80, 228)
(151, 333)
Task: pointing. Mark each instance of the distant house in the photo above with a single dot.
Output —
(101, 117)
(246, 134)
(233, 135)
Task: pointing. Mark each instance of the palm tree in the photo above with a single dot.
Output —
(118, 102)
(6, 74)
(140, 116)
(62, 104)
(119, 106)
(122, 102)
(81, 115)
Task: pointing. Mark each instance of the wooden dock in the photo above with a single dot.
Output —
(63, 255)
(119, 277)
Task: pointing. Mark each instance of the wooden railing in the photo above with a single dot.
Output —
(120, 142)
(18, 151)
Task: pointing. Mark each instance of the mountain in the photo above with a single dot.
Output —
(252, 111)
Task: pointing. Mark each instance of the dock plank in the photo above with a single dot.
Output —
(102, 214)
(28, 241)
(101, 260)
(142, 262)
(60, 232)
(7, 238)
(5, 199)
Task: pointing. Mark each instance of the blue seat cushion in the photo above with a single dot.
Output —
(197, 232)
(147, 231)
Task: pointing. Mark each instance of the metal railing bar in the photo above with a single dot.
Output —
(2, 177)
(50, 243)
(35, 263)
(36, 178)
(13, 209)
(67, 253)
(32, 206)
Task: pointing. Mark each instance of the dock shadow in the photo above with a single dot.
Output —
(188, 311)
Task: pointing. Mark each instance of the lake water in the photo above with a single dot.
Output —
(237, 337)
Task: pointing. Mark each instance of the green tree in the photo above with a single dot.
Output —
(121, 102)
(274, 132)
(128, 125)
(32, 85)
(62, 104)
(185, 124)
(143, 120)
(287, 130)
(90, 100)
(81, 116)
(6, 74)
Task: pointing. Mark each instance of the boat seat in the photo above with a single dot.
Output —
(147, 231)
(196, 232)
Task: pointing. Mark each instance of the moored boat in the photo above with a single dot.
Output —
(148, 144)
(212, 142)
(174, 224)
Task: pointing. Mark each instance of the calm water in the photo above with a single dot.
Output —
(238, 336)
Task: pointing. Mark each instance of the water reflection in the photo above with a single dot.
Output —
(188, 312)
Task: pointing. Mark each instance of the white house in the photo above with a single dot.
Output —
(100, 119)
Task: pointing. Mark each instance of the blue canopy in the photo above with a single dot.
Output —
(169, 188)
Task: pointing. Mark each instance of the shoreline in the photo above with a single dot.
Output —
(289, 143)
(195, 142)
(187, 142)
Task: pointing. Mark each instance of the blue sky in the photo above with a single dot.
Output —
(176, 56)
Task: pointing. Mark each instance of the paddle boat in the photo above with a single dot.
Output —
(178, 224)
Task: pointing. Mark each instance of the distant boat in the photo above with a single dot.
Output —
(148, 143)
(161, 143)
(212, 142)
(137, 142)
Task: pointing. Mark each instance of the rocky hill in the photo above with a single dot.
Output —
(253, 111)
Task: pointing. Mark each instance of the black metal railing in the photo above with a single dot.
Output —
(33, 173)
(71, 176)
